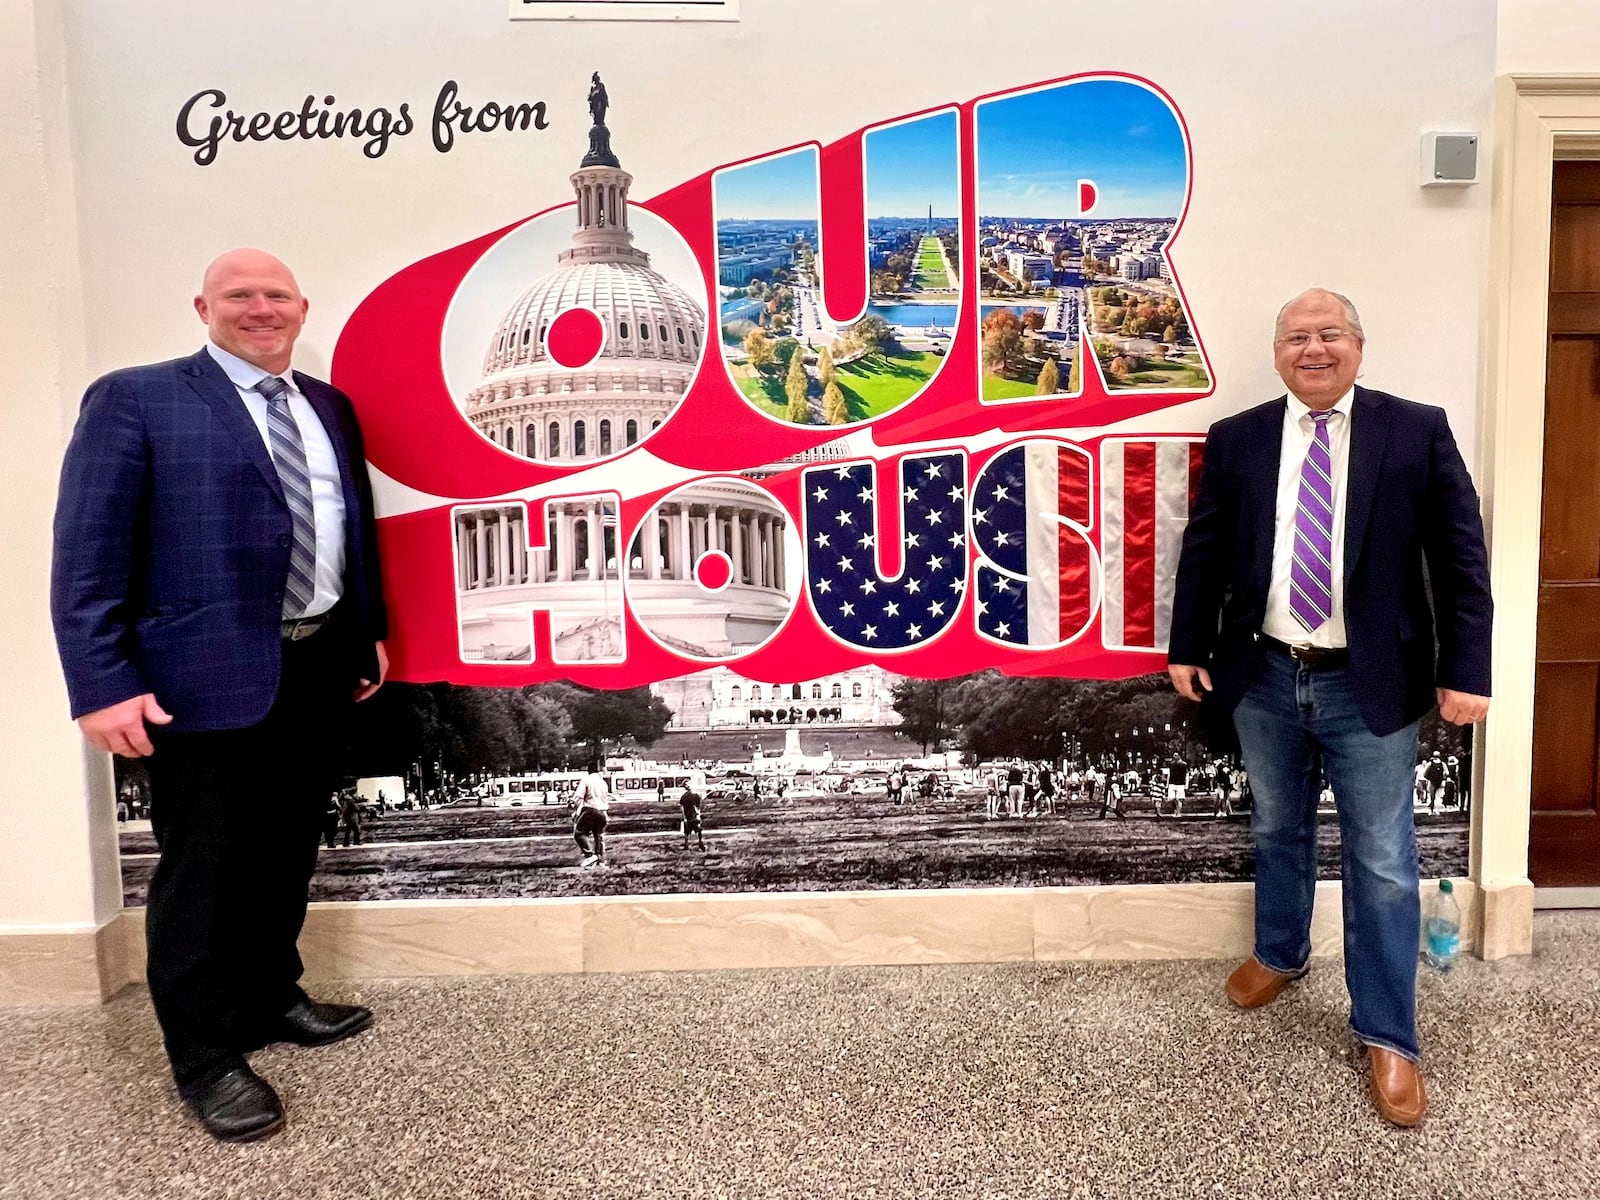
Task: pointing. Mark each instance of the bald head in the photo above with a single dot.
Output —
(1314, 295)
(252, 305)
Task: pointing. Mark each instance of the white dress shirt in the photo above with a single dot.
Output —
(1298, 431)
(327, 496)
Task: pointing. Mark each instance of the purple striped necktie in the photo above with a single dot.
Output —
(1311, 572)
(289, 456)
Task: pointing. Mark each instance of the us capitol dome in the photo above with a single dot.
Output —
(530, 404)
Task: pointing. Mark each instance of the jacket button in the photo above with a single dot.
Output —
(278, 596)
(283, 541)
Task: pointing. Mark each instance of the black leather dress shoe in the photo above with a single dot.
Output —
(234, 1104)
(312, 1023)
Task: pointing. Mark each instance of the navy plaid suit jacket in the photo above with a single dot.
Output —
(172, 544)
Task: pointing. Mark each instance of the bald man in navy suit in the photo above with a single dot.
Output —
(218, 609)
(1332, 588)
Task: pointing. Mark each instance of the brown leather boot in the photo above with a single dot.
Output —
(1252, 985)
(1397, 1087)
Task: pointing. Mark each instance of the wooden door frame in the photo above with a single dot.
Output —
(1538, 119)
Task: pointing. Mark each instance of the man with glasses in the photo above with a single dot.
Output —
(1333, 586)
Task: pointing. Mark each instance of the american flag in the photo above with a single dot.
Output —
(852, 598)
(1031, 516)
(1146, 492)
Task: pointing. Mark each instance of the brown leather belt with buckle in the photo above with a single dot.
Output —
(303, 627)
(1312, 658)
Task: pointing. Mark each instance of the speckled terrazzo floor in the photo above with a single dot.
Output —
(1092, 1080)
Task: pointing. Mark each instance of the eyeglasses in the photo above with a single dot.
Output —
(1328, 337)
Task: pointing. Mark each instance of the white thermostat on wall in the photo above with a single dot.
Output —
(1449, 159)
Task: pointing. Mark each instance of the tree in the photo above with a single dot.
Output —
(1075, 376)
(1002, 339)
(796, 387)
(1049, 378)
(825, 367)
(835, 411)
(874, 334)
(1033, 320)
(758, 349)
(1121, 367)
(1171, 335)
(921, 705)
(599, 716)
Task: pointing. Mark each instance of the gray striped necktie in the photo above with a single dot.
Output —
(289, 456)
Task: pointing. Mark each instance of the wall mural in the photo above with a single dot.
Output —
(788, 487)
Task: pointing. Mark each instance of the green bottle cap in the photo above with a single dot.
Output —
(1446, 886)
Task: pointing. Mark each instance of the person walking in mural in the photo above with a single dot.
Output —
(590, 818)
(1332, 587)
(1016, 788)
(217, 606)
(350, 816)
(691, 802)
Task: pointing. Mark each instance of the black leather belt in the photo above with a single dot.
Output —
(1312, 658)
(304, 627)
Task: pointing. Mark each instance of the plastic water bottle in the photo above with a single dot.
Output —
(1442, 928)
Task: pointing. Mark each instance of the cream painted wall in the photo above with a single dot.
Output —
(58, 866)
(1556, 37)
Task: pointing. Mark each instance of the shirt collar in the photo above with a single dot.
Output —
(243, 375)
(1298, 410)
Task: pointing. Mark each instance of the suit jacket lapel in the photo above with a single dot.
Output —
(316, 394)
(216, 389)
(1266, 449)
(1369, 434)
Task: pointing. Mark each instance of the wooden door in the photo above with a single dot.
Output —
(1565, 849)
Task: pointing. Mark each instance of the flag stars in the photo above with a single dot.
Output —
(913, 587)
(1002, 629)
(891, 609)
(844, 518)
(935, 470)
(936, 563)
(911, 494)
(913, 631)
(865, 540)
(913, 540)
(820, 494)
(957, 583)
(980, 516)
(824, 586)
(870, 632)
(846, 565)
(822, 539)
(1002, 539)
(847, 609)
(869, 586)
(865, 495)
(936, 609)
(1002, 493)
(842, 473)
(934, 516)
(955, 539)
(957, 492)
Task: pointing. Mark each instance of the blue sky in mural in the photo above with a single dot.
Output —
(1034, 148)
(913, 165)
(781, 188)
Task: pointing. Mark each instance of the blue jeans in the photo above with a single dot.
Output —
(1287, 719)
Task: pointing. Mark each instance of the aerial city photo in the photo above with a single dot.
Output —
(786, 354)
(1051, 275)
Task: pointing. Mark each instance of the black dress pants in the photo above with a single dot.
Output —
(237, 814)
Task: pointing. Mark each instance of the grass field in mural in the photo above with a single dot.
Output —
(834, 843)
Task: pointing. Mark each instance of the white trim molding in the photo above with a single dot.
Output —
(1538, 119)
